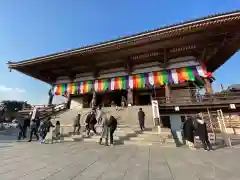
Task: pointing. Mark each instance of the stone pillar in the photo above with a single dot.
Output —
(208, 86)
(167, 93)
(130, 97)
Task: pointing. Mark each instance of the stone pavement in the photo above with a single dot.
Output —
(89, 161)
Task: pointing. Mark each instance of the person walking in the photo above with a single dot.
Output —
(105, 129)
(76, 124)
(188, 132)
(33, 130)
(141, 119)
(92, 124)
(99, 114)
(42, 131)
(112, 126)
(202, 132)
(26, 125)
(20, 124)
(57, 131)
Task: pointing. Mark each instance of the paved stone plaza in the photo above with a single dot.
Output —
(89, 161)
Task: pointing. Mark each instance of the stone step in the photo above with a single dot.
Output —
(98, 137)
(150, 132)
(139, 143)
(137, 138)
(153, 140)
(77, 137)
(97, 140)
(68, 139)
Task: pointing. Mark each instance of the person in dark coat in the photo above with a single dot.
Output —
(202, 132)
(91, 122)
(76, 123)
(113, 126)
(26, 125)
(34, 129)
(141, 119)
(20, 124)
(188, 132)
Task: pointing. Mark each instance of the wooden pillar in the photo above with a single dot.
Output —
(130, 97)
(167, 93)
(69, 101)
(50, 96)
(208, 86)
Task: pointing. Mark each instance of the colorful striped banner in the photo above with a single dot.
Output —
(119, 83)
(101, 85)
(173, 76)
(87, 86)
(72, 88)
(60, 89)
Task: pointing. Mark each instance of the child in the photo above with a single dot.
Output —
(57, 132)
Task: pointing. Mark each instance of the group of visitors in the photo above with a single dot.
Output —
(107, 122)
(196, 127)
(38, 127)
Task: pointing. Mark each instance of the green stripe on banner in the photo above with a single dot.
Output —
(143, 83)
(124, 82)
(63, 89)
(190, 74)
(165, 77)
(105, 84)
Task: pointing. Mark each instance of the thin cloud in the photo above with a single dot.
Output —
(4, 88)
(20, 90)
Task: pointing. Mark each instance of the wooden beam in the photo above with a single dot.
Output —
(128, 66)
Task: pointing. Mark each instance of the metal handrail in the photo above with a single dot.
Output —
(206, 98)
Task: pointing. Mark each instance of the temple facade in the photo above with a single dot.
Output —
(181, 78)
(169, 64)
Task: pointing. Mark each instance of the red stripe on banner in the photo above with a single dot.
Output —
(180, 76)
(134, 78)
(155, 78)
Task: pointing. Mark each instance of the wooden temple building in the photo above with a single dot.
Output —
(169, 64)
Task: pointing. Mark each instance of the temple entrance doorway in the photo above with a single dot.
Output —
(116, 97)
(142, 97)
(145, 99)
(87, 98)
(166, 123)
(99, 99)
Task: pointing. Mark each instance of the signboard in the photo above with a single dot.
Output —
(211, 138)
(232, 106)
(156, 115)
(176, 108)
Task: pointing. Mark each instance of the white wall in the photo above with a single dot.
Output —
(76, 103)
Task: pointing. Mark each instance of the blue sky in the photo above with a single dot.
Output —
(32, 28)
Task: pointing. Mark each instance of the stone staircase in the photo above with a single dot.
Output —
(128, 131)
(151, 137)
(131, 136)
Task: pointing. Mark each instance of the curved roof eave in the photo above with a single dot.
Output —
(124, 39)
